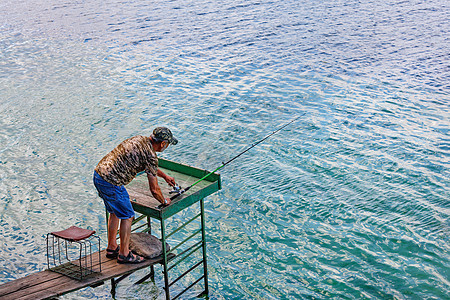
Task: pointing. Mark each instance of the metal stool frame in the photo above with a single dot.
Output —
(60, 261)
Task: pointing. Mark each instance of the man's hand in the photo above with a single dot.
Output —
(167, 201)
(170, 180)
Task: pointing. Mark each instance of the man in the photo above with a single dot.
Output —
(117, 169)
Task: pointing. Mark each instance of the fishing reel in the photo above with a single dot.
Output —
(178, 190)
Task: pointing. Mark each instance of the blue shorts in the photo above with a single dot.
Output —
(116, 198)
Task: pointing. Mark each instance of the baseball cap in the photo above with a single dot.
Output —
(164, 134)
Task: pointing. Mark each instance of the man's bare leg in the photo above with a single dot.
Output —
(113, 225)
(124, 233)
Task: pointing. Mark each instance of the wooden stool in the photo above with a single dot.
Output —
(62, 256)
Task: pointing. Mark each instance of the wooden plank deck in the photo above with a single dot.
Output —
(47, 284)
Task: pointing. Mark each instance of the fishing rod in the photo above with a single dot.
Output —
(178, 190)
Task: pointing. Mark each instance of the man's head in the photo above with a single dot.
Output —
(162, 137)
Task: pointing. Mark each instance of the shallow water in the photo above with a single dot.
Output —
(351, 201)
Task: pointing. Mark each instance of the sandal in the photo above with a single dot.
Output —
(112, 253)
(130, 259)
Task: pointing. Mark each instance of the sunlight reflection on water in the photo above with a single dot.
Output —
(351, 201)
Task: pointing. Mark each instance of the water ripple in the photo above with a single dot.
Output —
(350, 201)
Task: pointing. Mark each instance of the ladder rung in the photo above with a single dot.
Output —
(184, 274)
(185, 240)
(196, 246)
(203, 276)
(182, 226)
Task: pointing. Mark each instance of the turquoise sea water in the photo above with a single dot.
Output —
(350, 202)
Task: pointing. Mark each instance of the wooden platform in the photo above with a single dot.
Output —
(47, 284)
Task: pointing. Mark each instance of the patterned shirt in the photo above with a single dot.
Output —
(134, 155)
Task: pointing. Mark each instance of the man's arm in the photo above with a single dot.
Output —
(156, 190)
(170, 180)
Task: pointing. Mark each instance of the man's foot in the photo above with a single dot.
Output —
(112, 253)
(130, 259)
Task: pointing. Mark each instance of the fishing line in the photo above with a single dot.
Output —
(179, 191)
